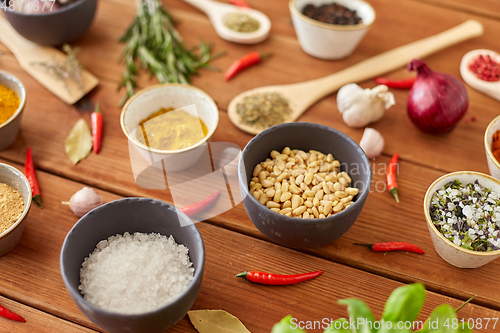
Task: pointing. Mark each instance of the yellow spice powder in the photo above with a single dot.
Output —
(9, 102)
(172, 131)
(11, 206)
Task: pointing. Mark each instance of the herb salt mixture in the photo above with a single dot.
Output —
(468, 216)
(263, 110)
(11, 206)
(241, 22)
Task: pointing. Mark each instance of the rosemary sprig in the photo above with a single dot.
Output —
(153, 41)
(69, 69)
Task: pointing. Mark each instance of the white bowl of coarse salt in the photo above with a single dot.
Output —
(133, 265)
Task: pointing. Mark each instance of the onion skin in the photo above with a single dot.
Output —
(437, 101)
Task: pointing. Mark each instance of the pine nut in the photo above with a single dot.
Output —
(285, 211)
(286, 151)
(309, 193)
(326, 189)
(328, 208)
(299, 179)
(338, 187)
(294, 189)
(277, 210)
(325, 167)
(277, 196)
(284, 186)
(272, 204)
(336, 164)
(267, 183)
(302, 154)
(255, 187)
(299, 210)
(270, 192)
(289, 165)
(282, 176)
(352, 191)
(340, 194)
(329, 158)
(314, 182)
(281, 157)
(287, 204)
(308, 179)
(321, 209)
(312, 156)
(308, 204)
(289, 214)
(338, 207)
(319, 195)
(315, 212)
(322, 216)
(262, 175)
(316, 202)
(295, 201)
(277, 186)
(257, 170)
(306, 215)
(330, 178)
(269, 168)
(346, 199)
(256, 195)
(346, 176)
(263, 199)
(274, 153)
(255, 180)
(285, 196)
(304, 187)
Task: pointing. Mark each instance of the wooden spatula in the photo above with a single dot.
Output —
(302, 95)
(28, 53)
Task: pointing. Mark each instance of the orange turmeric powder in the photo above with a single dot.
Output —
(9, 102)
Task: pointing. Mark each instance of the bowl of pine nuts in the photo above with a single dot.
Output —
(303, 184)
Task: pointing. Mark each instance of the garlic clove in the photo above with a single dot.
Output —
(372, 142)
(84, 201)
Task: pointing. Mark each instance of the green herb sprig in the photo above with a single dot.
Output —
(403, 305)
(153, 41)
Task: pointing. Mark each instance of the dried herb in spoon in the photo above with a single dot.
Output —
(263, 110)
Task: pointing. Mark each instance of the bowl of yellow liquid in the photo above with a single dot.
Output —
(168, 126)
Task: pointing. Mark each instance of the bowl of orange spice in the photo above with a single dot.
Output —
(12, 101)
(168, 126)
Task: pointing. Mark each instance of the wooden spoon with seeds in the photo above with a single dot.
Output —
(302, 95)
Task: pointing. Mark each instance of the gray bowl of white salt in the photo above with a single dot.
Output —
(133, 265)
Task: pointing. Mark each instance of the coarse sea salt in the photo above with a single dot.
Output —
(135, 273)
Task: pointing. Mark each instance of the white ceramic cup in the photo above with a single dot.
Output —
(451, 253)
(330, 41)
(150, 100)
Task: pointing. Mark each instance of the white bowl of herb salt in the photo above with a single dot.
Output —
(462, 210)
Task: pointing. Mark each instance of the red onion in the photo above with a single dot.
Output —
(437, 101)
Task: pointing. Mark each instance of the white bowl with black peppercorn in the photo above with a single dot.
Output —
(330, 32)
(463, 217)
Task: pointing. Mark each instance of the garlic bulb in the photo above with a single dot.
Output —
(84, 201)
(359, 106)
(372, 142)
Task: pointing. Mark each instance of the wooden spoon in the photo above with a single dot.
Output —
(302, 95)
(28, 53)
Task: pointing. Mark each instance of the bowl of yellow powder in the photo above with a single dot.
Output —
(168, 127)
(12, 101)
(15, 202)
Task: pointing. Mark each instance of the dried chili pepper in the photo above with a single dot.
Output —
(485, 68)
(276, 279)
(97, 125)
(393, 246)
(195, 208)
(239, 3)
(392, 170)
(398, 84)
(29, 171)
(6, 313)
(246, 61)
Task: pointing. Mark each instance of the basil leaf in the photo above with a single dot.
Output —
(405, 303)
(441, 320)
(286, 325)
(360, 314)
(338, 326)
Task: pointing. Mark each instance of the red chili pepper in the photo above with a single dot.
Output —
(246, 61)
(239, 3)
(392, 170)
(6, 313)
(398, 84)
(276, 279)
(195, 208)
(29, 171)
(97, 125)
(393, 246)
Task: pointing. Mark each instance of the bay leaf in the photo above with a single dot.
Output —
(79, 142)
(216, 321)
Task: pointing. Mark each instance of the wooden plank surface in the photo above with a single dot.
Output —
(30, 275)
(488, 8)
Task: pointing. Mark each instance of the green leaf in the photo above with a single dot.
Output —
(216, 321)
(79, 142)
(360, 314)
(393, 328)
(440, 320)
(286, 326)
(405, 303)
(338, 326)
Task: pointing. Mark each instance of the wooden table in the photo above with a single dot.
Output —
(30, 280)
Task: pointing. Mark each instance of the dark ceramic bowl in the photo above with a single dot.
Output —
(54, 27)
(296, 232)
(132, 215)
